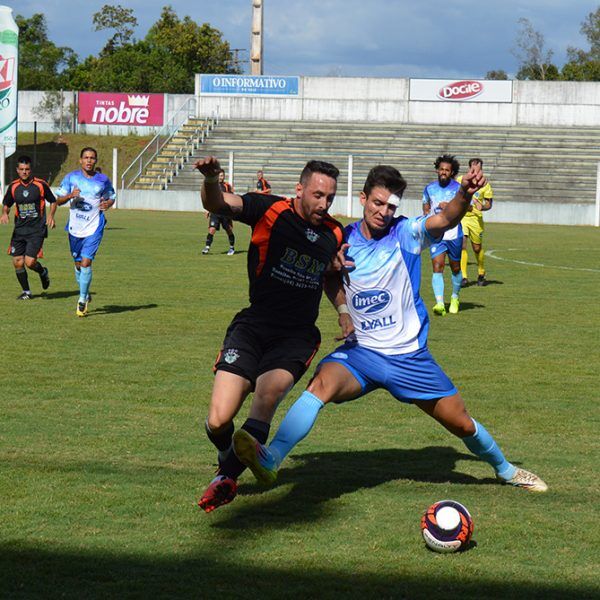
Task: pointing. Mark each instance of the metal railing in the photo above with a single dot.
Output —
(138, 166)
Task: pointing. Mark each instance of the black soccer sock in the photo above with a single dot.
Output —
(232, 240)
(22, 277)
(209, 239)
(38, 268)
(221, 440)
(231, 466)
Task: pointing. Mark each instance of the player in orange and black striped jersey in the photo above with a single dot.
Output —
(262, 185)
(28, 194)
(215, 221)
(270, 344)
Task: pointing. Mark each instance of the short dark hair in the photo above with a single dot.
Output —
(88, 149)
(318, 166)
(24, 160)
(387, 177)
(472, 161)
(451, 160)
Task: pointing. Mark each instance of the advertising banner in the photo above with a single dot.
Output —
(249, 85)
(143, 110)
(9, 61)
(463, 90)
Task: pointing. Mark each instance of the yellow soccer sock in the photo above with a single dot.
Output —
(463, 263)
(480, 260)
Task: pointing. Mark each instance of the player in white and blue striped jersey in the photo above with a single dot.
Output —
(90, 193)
(391, 325)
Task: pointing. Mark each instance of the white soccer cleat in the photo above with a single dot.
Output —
(528, 481)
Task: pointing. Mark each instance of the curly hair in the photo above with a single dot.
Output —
(451, 160)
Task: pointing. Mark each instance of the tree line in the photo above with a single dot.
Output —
(174, 49)
(165, 60)
(535, 59)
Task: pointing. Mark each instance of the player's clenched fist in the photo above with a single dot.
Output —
(473, 180)
(209, 166)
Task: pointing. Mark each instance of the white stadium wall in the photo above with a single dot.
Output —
(534, 103)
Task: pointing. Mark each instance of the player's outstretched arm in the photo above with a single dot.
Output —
(213, 199)
(455, 210)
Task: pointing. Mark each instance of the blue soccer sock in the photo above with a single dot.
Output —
(456, 281)
(437, 281)
(77, 274)
(85, 279)
(483, 445)
(296, 425)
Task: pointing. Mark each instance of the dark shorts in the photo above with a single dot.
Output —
(26, 245)
(251, 349)
(217, 220)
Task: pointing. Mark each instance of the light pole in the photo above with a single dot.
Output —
(256, 52)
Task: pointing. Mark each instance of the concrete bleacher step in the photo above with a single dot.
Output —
(520, 161)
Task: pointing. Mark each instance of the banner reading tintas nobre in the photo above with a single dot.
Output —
(9, 60)
(145, 110)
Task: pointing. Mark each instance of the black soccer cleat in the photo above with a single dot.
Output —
(24, 296)
(464, 282)
(482, 281)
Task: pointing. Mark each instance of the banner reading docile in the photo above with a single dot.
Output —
(121, 109)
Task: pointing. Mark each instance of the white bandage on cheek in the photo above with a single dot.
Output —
(394, 200)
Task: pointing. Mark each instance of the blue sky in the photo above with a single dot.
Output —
(378, 38)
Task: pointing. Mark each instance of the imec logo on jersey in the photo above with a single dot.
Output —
(371, 301)
(460, 90)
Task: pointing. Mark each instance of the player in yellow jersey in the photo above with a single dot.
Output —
(472, 224)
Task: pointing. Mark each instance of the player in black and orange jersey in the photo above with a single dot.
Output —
(269, 345)
(215, 221)
(262, 185)
(29, 195)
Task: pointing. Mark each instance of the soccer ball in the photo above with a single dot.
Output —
(447, 526)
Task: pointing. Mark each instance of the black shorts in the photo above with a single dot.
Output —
(217, 220)
(26, 245)
(251, 349)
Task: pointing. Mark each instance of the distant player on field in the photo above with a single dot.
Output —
(391, 326)
(90, 194)
(436, 196)
(472, 224)
(269, 345)
(262, 185)
(215, 221)
(28, 194)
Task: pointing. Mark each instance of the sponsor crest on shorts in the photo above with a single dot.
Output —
(341, 355)
(231, 356)
(311, 236)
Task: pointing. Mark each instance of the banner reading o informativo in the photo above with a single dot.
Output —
(460, 90)
(249, 85)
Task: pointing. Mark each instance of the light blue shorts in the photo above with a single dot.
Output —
(86, 247)
(452, 248)
(408, 377)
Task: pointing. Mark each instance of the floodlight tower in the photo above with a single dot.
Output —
(256, 47)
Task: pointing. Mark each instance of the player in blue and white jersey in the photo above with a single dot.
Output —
(90, 193)
(436, 196)
(391, 325)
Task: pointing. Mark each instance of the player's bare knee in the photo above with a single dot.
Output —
(30, 262)
(320, 388)
(217, 423)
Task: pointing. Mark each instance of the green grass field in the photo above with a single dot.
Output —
(104, 456)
